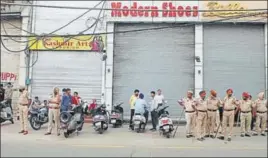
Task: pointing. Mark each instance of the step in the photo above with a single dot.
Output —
(88, 119)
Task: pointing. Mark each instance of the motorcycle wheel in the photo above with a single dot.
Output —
(100, 131)
(2, 120)
(66, 135)
(34, 124)
(114, 125)
(168, 135)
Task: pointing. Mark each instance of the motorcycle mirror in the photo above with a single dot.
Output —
(166, 102)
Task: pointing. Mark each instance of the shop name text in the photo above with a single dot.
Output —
(8, 76)
(168, 9)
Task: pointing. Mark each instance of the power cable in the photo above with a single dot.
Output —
(85, 8)
(155, 28)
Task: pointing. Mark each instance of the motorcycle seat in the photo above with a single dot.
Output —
(137, 114)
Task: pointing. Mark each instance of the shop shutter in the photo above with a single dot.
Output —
(234, 57)
(80, 71)
(153, 59)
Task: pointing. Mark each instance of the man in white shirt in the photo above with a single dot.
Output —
(154, 114)
(159, 98)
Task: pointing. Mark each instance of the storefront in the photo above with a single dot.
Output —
(180, 57)
(75, 64)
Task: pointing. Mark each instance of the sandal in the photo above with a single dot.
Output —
(48, 133)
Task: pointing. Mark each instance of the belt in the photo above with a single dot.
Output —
(245, 111)
(261, 112)
(201, 110)
(189, 111)
(24, 104)
(212, 110)
(53, 107)
(228, 110)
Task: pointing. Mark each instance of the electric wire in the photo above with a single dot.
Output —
(112, 9)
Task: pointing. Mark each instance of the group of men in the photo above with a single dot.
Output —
(139, 105)
(7, 93)
(203, 116)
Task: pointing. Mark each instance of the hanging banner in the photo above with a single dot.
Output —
(235, 10)
(78, 43)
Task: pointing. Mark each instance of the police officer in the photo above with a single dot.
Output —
(213, 105)
(201, 111)
(23, 109)
(245, 106)
(190, 115)
(261, 120)
(229, 105)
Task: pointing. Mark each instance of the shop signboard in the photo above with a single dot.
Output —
(78, 43)
(8, 77)
(238, 11)
(150, 11)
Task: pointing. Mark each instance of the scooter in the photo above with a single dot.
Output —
(100, 120)
(6, 113)
(165, 123)
(38, 117)
(139, 122)
(117, 115)
(73, 120)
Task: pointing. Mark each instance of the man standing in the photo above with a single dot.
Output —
(188, 105)
(253, 121)
(261, 106)
(201, 107)
(23, 109)
(159, 98)
(229, 105)
(9, 95)
(132, 101)
(213, 106)
(245, 106)
(2, 92)
(154, 114)
(66, 100)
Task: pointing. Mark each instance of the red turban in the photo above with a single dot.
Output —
(229, 90)
(245, 94)
(213, 92)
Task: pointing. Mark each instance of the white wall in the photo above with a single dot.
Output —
(266, 56)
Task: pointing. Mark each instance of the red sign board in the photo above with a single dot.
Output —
(168, 9)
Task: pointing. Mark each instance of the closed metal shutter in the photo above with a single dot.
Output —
(154, 59)
(234, 57)
(80, 71)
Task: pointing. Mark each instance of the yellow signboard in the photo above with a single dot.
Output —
(234, 9)
(79, 43)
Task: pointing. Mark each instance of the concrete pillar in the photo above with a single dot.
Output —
(198, 53)
(266, 58)
(23, 66)
(109, 67)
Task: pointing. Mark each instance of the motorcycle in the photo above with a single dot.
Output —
(73, 120)
(139, 122)
(101, 119)
(117, 115)
(38, 117)
(165, 123)
(6, 112)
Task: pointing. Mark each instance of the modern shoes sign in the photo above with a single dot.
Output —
(153, 11)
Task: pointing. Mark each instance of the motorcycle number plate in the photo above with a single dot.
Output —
(113, 121)
(166, 127)
(98, 123)
(137, 122)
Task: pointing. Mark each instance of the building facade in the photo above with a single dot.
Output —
(174, 46)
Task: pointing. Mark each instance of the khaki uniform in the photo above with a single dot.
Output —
(218, 122)
(23, 109)
(201, 120)
(190, 115)
(54, 114)
(261, 107)
(229, 105)
(245, 115)
(213, 106)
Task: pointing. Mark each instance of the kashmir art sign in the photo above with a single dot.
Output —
(79, 43)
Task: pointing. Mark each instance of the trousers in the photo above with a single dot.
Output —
(190, 122)
(228, 118)
(154, 117)
(53, 114)
(201, 124)
(261, 120)
(211, 122)
(245, 122)
(132, 112)
(23, 113)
